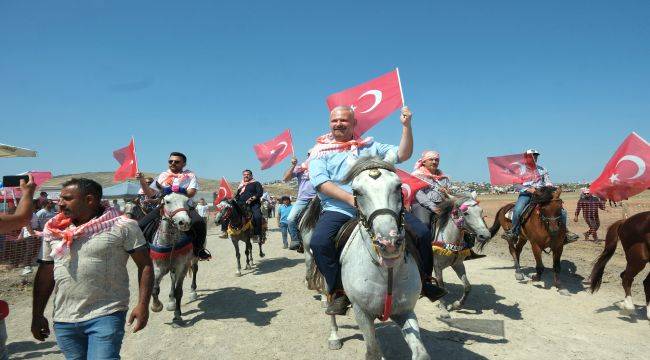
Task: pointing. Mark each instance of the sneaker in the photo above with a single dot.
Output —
(432, 292)
(295, 245)
(204, 254)
(338, 305)
(223, 235)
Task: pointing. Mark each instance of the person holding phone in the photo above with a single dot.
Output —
(23, 214)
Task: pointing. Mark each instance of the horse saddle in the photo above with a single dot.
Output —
(524, 214)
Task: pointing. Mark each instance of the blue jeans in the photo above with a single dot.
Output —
(292, 219)
(523, 200)
(285, 232)
(99, 338)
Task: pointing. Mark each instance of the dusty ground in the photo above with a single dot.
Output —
(268, 313)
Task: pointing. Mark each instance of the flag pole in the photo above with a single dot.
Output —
(135, 156)
(399, 81)
(293, 152)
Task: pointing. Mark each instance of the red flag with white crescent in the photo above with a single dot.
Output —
(512, 169)
(626, 174)
(224, 192)
(410, 185)
(372, 101)
(128, 162)
(275, 150)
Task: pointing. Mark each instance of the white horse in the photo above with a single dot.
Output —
(461, 215)
(380, 278)
(176, 255)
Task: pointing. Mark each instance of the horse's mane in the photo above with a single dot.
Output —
(311, 215)
(544, 195)
(366, 163)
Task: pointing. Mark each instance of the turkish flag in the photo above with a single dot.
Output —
(225, 192)
(512, 169)
(372, 101)
(410, 185)
(275, 150)
(626, 174)
(128, 162)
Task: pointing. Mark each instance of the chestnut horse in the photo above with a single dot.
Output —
(542, 226)
(634, 234)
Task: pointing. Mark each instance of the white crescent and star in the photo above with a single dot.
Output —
(640, 164)
(284, 147)
(522, 167)
(377, 94)
(407, 188)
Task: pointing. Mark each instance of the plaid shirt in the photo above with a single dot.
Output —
(589, 206)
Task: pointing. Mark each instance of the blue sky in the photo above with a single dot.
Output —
(212, 78)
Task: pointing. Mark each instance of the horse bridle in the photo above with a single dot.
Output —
(547, 220)
(367, 221)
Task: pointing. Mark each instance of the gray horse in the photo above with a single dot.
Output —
(172, 253)
(461, 215)
(374, 264)
(239, 229)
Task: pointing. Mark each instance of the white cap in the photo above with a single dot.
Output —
(532, 151)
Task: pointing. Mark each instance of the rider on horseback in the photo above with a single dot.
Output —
(426, 206)
(250, 192)
(526, 195)
(332, 156)
(306, 192)
(182, 181)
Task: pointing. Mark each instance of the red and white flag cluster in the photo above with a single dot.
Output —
(410, 185)
(626, 174)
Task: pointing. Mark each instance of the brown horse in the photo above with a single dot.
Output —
(542, 226)
(634, 234)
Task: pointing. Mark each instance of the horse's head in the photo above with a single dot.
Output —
(175, 209)
(469, 215)
(550, 207)
(378, 199)
(224, 210)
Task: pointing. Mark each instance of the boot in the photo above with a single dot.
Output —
(203, 254)
(432, 292)
(338, 304)
(474, 256)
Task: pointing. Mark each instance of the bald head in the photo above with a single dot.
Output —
(342, 123)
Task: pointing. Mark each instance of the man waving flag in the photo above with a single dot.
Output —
(372, 101)
(275, 150)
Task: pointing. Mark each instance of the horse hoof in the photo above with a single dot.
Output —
(536, 278)
(170, 307)
(444, 316)
(193, 296)
(156, 307)
(519, 276)
(564, 292)
(248, 267)
(455, 306)
(262, 255)
(238, 273)
(178, 323)
(334, 344)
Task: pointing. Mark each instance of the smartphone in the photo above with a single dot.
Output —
(13, 180)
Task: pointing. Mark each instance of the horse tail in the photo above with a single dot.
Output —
(312, 213)
(315, 280)
(598, 270)
(493, 229)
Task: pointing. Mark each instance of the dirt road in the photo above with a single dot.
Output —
(268, 314)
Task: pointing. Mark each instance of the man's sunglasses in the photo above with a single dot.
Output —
(174, 161)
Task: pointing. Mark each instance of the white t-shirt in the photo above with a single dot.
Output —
(184, 180)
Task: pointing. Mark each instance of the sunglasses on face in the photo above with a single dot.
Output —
(174, 161)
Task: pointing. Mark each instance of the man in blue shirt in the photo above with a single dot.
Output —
(332, 157)
(284, 209)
